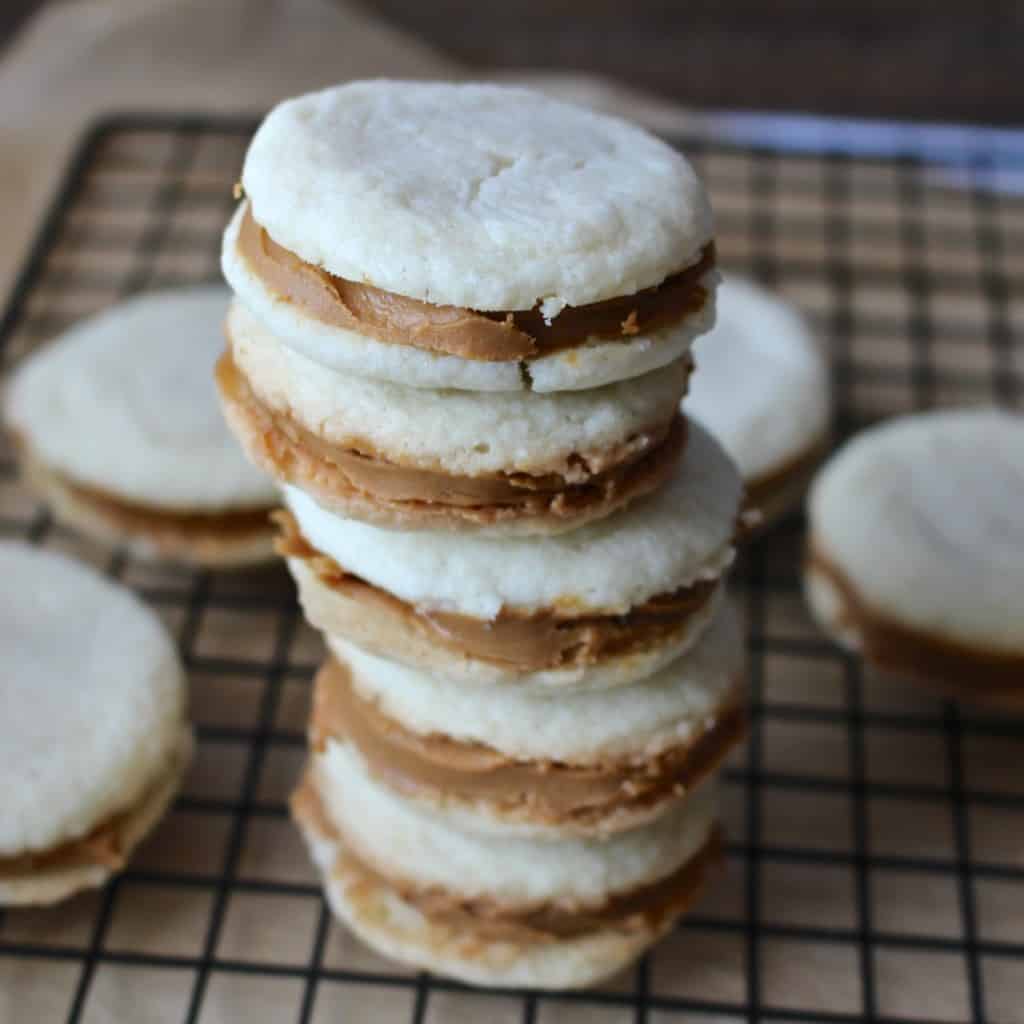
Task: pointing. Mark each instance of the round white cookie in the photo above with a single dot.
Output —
(671, 539)
(917, 546)
(377, 914)
(339, 614)
(665, 710)
(762, 388)
(92, 718)
(592, 364)
(407, 842)
(455, 432)
(124, 402)
(479, 196)
(408, 849)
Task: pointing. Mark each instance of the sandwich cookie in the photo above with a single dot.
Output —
(500, 910)
(413, 458)
(762, 389)
(601, 606)
(120, 430)
(470, 236)
(916, 550)
(93, 737)
(506, 762)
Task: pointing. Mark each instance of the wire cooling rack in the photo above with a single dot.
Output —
(876, 855)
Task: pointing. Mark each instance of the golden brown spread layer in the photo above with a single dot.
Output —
(450, 330)
(163, 527)
(936, 660)
(228, 525)
(524, 641)
(102, 846)
(290, 452)
(550, 791)
(646, 908)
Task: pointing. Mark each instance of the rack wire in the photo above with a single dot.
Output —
(875, 867)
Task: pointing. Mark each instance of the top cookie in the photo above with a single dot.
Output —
(475, 196)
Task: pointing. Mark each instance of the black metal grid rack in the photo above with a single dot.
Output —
(876, 855)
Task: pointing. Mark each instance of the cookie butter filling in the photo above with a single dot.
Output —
(294, 454)
(550, 791)
(505, 336)
(645, 908)
(900, 648)
(523, 641)
(132, 518)
(226, 525)
(107, 845)
(229, 525)
(103, 847)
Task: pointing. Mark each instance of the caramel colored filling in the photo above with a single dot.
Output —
(524, 641)
(290, 452)
(934, 659)
(646, 908)
(229, 525)
(102, 846)
(450, 330)
(550, 791)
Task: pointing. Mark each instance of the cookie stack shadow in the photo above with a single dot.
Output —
(460, 339)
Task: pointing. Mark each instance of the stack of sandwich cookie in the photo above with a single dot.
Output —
(461, 335)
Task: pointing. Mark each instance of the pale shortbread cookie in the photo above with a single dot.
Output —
(455, 432)
(337, 614)
(761, 385)
(916, 527)
(41, 886)
(379, 916)
(124, 403)
(668, 708)
(590, 365)
(479, 196)
(92, 708)
(405, 841)
(671, 539)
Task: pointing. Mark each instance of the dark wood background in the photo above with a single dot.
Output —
(935, 59)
